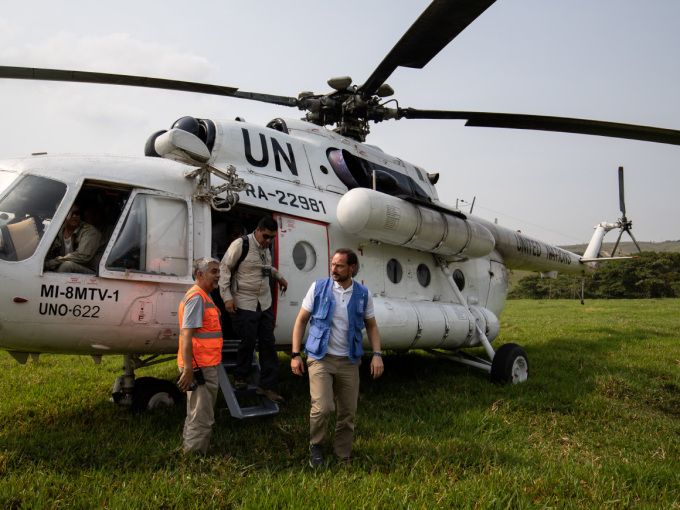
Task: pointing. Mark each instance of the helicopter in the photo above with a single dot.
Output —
(438, 274)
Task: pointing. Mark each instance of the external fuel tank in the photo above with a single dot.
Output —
(408, 324)
(392, 220)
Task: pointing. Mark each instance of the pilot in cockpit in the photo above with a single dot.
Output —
(75, 248)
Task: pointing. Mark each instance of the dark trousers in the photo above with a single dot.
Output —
(257, 327)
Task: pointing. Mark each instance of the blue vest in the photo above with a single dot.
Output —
(322, 316)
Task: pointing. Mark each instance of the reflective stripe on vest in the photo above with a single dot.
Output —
(207, 340)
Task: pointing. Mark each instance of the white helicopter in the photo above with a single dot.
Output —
(439, 275)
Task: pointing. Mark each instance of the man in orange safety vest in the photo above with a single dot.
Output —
(199, 355)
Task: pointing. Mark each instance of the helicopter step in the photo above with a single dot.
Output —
(245, 403)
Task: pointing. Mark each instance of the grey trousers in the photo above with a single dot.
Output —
(201, 413)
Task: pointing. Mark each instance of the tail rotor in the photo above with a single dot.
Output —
(623, 224)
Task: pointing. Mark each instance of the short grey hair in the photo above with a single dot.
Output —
(202, 265)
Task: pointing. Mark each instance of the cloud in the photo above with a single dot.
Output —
(84, 118)
(7, 32)
(114, 53)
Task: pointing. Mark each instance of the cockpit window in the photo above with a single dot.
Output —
(6, 178)
(25, 212)
(355, 172)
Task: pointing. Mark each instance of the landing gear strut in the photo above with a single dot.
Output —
(509, 364)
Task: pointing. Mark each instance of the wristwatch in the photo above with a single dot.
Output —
(294, 355)
(377, 353)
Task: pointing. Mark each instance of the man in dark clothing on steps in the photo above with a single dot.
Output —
(245, 289)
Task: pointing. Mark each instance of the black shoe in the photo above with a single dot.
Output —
(315, 456)
(240, 384)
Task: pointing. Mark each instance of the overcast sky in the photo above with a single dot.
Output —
(614, 60)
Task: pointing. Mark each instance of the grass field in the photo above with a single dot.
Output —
(596, 426)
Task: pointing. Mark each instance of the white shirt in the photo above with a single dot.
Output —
(337, 342)
(68, 245)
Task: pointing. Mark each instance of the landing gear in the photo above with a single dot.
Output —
(510, 365)
(151, 393)
(145, 393)
(506, 365)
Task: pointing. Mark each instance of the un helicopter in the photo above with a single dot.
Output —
(439, 274)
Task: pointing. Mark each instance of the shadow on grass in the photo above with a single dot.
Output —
(100, 435)
(422, 408)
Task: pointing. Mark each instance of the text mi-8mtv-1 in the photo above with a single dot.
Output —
(439, 275)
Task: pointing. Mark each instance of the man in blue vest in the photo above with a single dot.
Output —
(339, 309)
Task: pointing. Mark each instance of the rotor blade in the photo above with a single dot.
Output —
(622, 201)
(616, 245)
(30, 73)
(634, 240)
(267, 98)
(432, 31)
(545, 123)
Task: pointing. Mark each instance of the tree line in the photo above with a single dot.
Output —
(648, 275)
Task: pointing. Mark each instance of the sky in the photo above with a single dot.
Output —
(612, 60)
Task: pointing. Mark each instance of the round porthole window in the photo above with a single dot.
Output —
(394, 271)
(459, 279)
(304, 256)
(423, 274)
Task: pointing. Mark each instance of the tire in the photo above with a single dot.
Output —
(151, 393)
(510, 365)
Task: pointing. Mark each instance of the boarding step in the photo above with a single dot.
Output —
(229, 352)
(244, 403)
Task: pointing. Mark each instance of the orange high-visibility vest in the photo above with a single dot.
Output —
(207, 340)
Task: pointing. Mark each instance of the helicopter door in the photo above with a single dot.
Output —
(152, 241)
(302, 257)
(149, 257)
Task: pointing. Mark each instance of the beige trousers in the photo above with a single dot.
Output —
(201, 413)
(333, 386)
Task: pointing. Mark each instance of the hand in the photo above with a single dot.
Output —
(185, 378)
(297, 365)
(283, 286)
(377, 367)
(230, 306)
(52, 264)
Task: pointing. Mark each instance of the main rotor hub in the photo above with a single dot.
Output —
(346, 108)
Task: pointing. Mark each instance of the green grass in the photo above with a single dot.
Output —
(596, 426)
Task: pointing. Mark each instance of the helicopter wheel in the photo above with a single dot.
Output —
(151, 393)
(510, 365)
